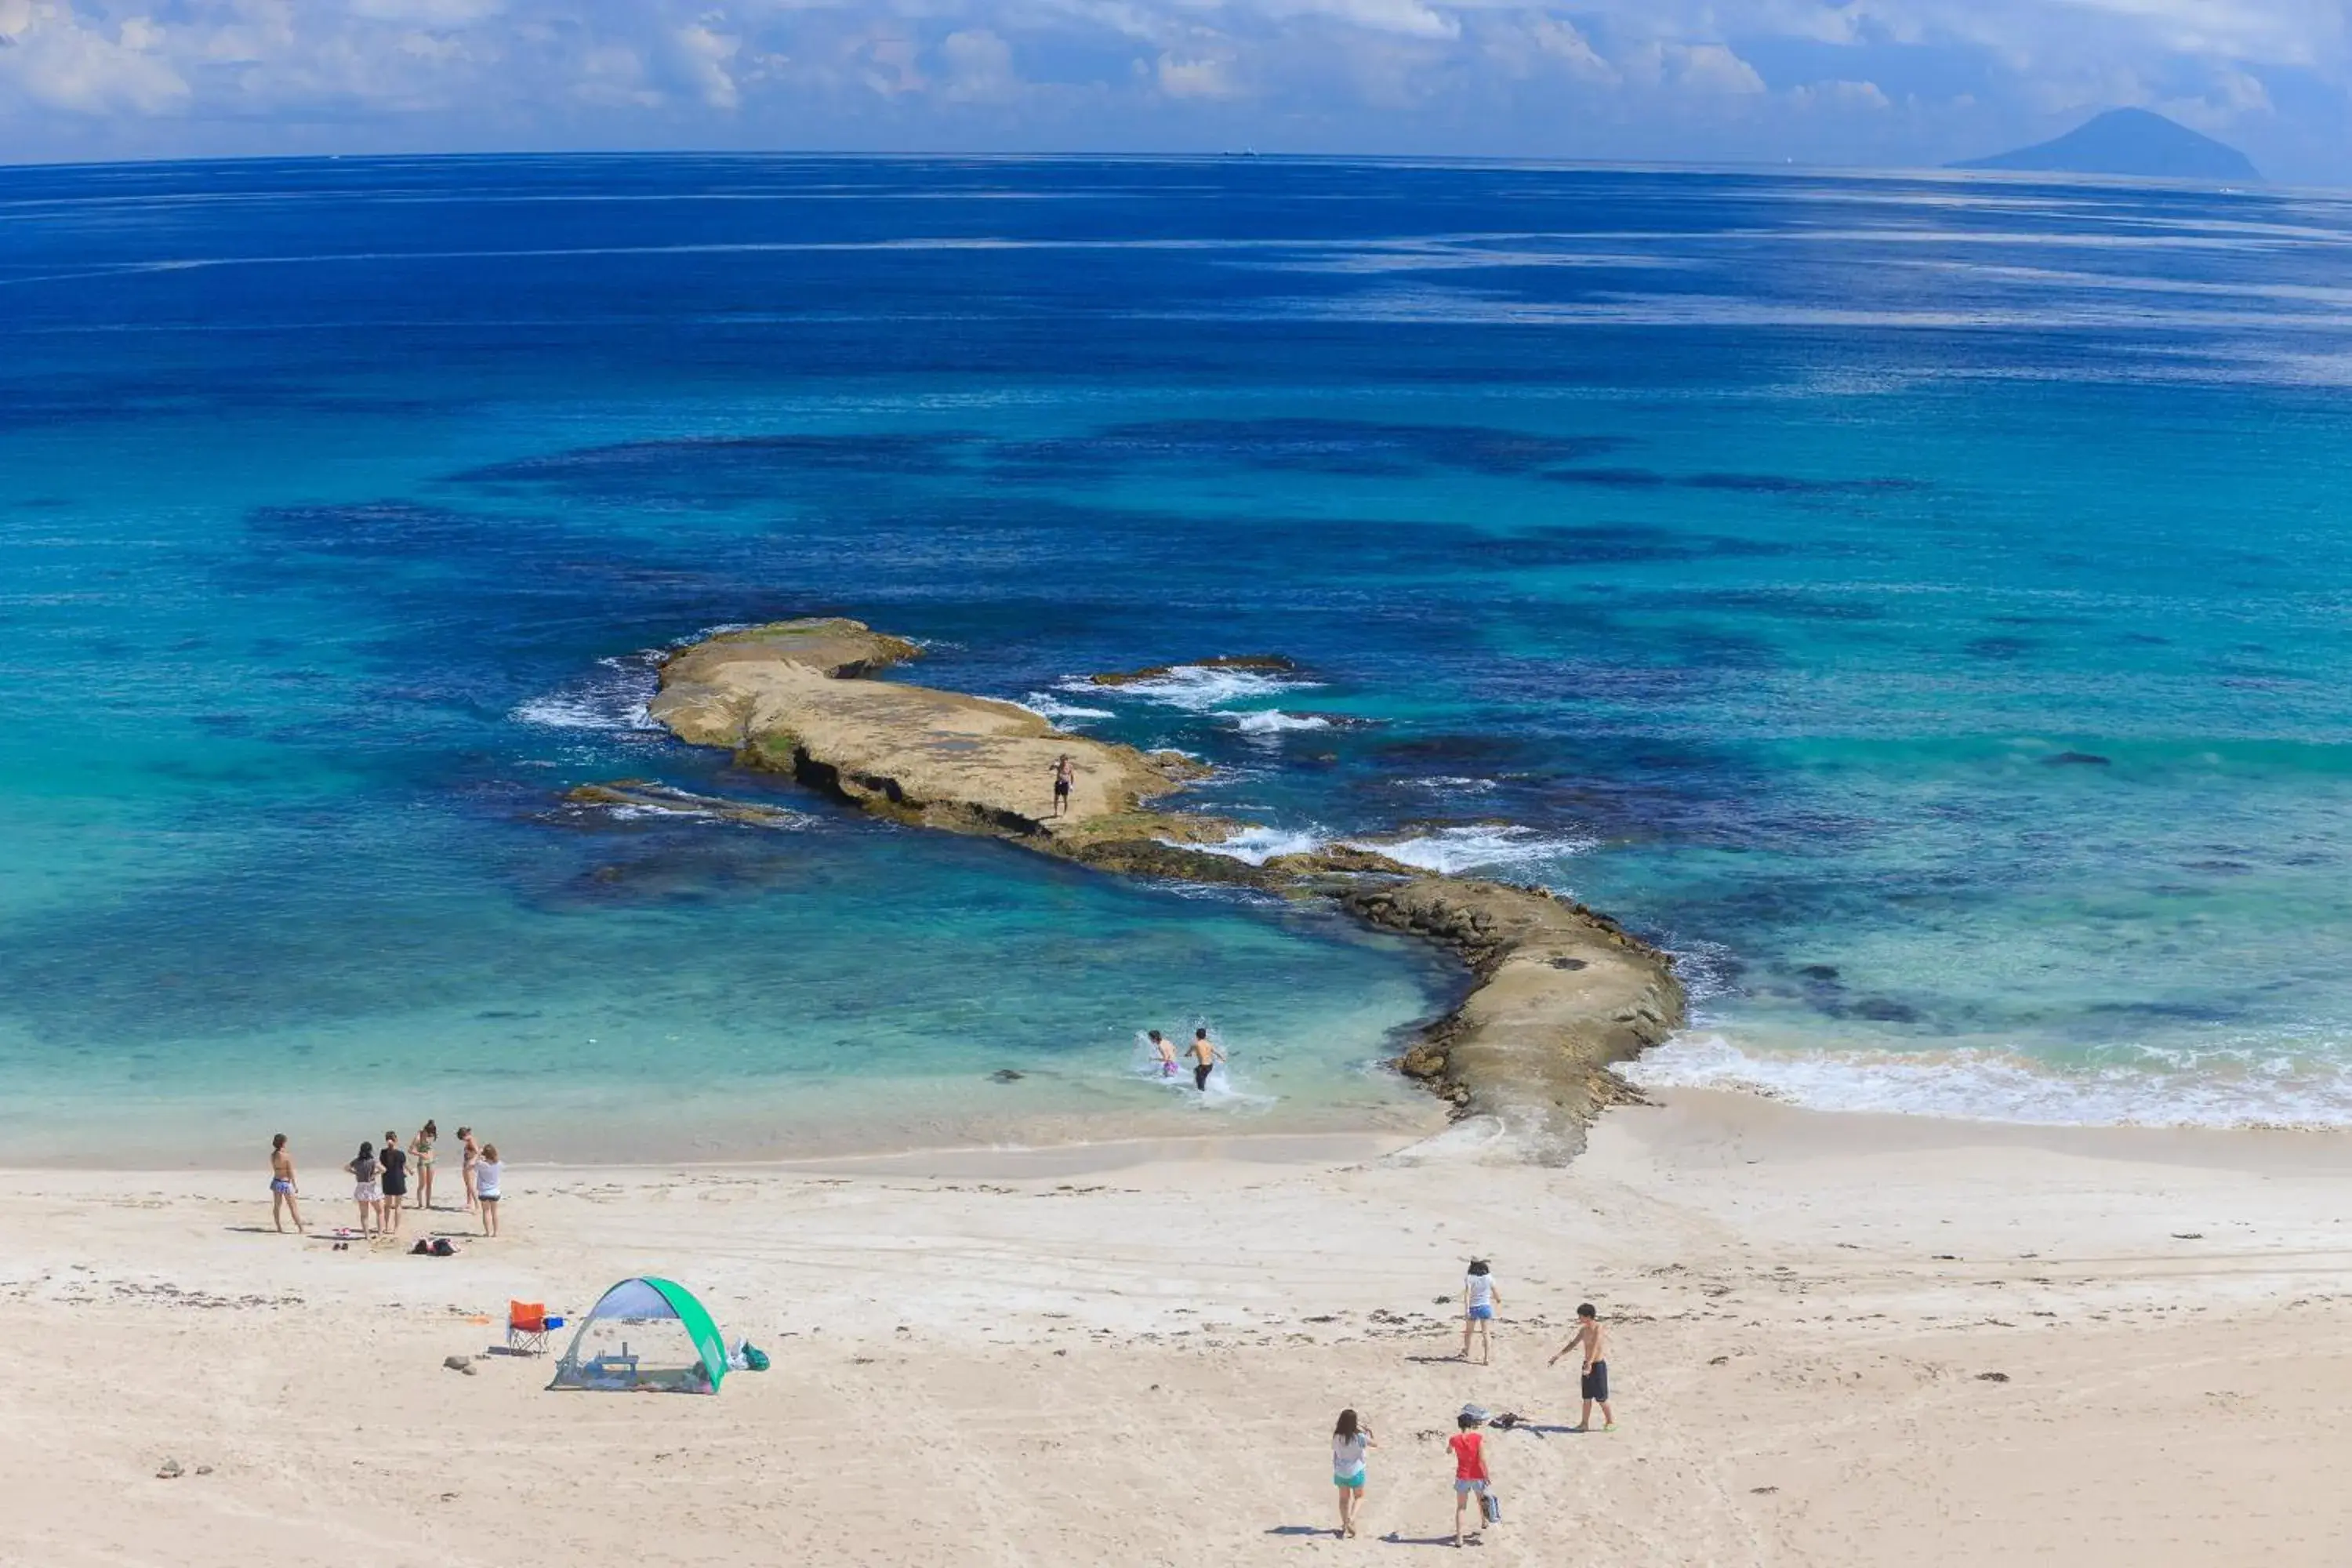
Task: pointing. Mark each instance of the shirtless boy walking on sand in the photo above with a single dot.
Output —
(1592, 1338)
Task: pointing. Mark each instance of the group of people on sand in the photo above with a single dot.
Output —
(1205, 1054)
(1473, 1476)
(381, 1176)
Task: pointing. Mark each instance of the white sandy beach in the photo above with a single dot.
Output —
(1134, 1353)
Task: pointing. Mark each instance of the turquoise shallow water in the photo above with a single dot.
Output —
(1746, 554)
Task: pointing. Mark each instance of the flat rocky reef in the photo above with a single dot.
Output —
(1560, 992)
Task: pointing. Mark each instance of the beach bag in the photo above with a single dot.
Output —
(441, 1247)
(754, 1358)
(1491, 1506)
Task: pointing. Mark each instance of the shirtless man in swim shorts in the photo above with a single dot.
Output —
(281, 1187)
(1167, 1050)
(1206, 1056)
(1592, 1338)
(1064, 775)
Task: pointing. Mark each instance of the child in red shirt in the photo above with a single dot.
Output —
(1470, 1477)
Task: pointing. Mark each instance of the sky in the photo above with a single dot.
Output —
(1886, 83)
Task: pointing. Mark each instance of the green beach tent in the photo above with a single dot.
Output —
(645, 1334)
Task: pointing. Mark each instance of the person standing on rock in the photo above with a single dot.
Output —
(1064, 775)
(1206, 1057)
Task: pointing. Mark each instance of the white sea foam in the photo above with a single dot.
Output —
(1988, 1084)
(613, 700)
(1047, 706)
(1478, 846)
(1197, 687)
(1223, 1089)
(776, 821)
(1274, 721)
(1259, 845)
(1443, 784)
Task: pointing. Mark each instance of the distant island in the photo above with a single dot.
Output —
(2128, 142)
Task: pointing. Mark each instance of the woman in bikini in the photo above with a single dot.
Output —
(420, 1154)
(470, 1155)
(281, 1187)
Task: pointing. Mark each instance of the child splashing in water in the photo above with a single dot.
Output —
(1205, 1058)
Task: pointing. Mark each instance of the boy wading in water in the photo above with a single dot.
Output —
(1167, 1050)
(281, 1187)
(1592, 1338)
(1206, 1056)
(1064, 775)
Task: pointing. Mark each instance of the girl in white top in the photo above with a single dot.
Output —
(1479, 1299)
(489, 1171)
(1348, 1441)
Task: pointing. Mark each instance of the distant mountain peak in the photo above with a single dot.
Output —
(2128, 142)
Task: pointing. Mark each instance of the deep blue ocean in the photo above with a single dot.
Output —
(1923, 603)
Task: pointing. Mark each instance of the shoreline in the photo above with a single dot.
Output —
(1559, 992)
(1018, 1150)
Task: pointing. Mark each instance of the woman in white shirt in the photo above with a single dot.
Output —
(489, 1171)
(1348, 1441)
(1479, 1299)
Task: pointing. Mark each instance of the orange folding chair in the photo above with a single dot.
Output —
(526, 1328)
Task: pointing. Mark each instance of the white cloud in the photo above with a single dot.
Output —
(58, 60)
(1403, 19)
(434, 15)
(1196, 79)
(1666, 78)
(1707, 70)
(1841, 94)
(979, 67)
(1559, 40)
(705, 55)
